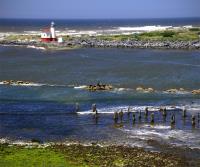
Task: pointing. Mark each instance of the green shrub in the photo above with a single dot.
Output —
(194, 29)
(168, 34)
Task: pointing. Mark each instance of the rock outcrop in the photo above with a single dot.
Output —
(99, 87)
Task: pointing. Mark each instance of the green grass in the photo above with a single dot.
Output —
(83, 156)
(179, 35)
(16, 156)
(167, 35)
(22, 37)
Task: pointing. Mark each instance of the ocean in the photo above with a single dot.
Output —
(45, 110)
(92, 26)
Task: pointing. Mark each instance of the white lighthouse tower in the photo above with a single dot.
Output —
(52, 30)
(49, 34)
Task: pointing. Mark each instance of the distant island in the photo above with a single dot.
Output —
(172, 38)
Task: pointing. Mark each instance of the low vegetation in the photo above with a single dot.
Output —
(83, 156)
(168, 35)
(17, 156)
(190, 34)
(15, 37)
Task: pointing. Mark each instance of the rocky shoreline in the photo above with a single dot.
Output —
(107, 87)
(95, 43)
(80, 155)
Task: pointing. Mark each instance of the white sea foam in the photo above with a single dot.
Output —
(161, 132)
(28, 84)
(111, 110)
(145, 28)
(32, 32)
(157, 127)
(103, 31)
(78, 32)
(80, 87)
(35, 47)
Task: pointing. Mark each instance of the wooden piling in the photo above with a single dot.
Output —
(193, 120)
(184, 113)
(140, 115)
(121, 115)
(152, 118)
(116, 117)
(94, 107)
(173, 119)
(133, 117)
(77, 107)
(146, 112)
(164, 112)
(129, 111)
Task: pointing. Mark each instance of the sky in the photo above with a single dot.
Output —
(99, 9)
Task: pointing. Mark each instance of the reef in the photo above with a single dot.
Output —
(12, 82)
(99, 87)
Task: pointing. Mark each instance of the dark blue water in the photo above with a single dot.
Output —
(45, 110)
(20, 25)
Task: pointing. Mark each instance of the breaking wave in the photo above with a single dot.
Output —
(162, 133)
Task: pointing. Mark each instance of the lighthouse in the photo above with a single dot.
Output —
(49, 34)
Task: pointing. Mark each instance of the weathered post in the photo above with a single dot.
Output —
(146, 112)
(193, 120)
(116, 117)
(184, 113)
(77, 107)
(152, 118)
(140, 116)
(133, 117)
(172, 119)
(94, 107)
(164, 113)
(129, 111)
(121, 115)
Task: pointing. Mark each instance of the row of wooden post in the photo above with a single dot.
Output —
(119, 115)
(164, 113)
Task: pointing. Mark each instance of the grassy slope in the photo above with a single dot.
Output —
(168, 35)
(82, 156)
(22, 37)
(175, 35)
(16, 156)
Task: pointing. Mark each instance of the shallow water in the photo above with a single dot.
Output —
(46, 109)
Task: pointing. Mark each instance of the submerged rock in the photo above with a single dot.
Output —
(196, 91)
(145, 90)
(99, 87)
(11, 82)
(172, 90)
(175, 90)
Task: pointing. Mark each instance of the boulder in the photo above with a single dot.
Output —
(6, 82)
(196, 91)
(150, 89)
(172, 90)
(146, 90)
(99, 87)
(139, 89)
(20, 82)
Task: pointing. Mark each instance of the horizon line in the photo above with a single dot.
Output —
(35, 18)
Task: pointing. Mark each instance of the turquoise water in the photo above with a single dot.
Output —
(45, 110)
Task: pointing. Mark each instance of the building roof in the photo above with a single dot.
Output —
(47, 30)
